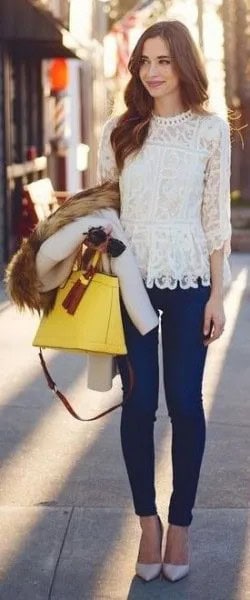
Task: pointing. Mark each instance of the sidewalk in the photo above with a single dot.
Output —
(68, 530)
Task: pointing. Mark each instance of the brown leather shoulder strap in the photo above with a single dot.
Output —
(52, 385)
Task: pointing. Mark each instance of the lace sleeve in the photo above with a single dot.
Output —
(216, 197)
(106, 165)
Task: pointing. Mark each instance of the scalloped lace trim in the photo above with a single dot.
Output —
(170, 282)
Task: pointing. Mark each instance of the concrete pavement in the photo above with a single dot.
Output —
(68, 530)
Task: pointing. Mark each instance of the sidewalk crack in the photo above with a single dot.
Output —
(60, 553)
(228, 424)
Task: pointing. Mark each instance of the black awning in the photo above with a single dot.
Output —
(32, 31)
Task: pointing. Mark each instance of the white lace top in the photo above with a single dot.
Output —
(175, 197)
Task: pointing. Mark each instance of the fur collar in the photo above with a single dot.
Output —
(21, 278)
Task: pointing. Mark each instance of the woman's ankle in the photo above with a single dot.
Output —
(148, 518)
(180, 528)
(149, 522)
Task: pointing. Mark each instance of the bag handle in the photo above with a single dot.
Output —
(79, 288)
(52, 385)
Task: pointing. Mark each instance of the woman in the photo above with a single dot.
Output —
(172, 159)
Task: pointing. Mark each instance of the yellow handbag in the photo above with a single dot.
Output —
(86, 317)
(96, 324)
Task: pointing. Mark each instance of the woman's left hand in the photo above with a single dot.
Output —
(214, 320)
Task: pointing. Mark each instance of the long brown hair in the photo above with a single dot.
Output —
(132, 126)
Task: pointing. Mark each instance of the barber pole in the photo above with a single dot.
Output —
(59, 116)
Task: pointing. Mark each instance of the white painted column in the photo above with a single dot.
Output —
(73, 175)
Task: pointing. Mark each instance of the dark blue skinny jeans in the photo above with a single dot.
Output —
(184, 356)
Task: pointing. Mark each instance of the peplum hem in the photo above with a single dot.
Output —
(185, 282)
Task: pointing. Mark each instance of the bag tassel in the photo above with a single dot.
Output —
(75, 295)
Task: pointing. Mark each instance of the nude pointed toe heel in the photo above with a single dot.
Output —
(149, 571)
(174, 572)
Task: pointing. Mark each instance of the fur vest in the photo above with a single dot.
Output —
(21, 279)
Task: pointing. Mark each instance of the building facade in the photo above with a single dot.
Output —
(43, 133)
